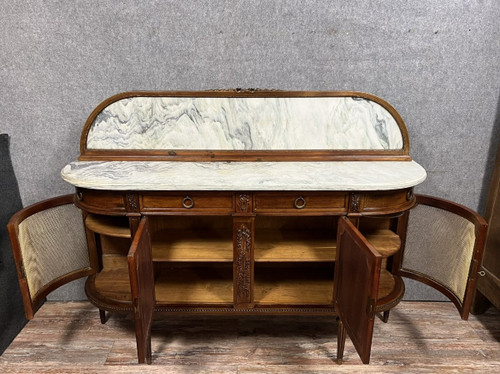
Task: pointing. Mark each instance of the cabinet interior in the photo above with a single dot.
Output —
(293, 258)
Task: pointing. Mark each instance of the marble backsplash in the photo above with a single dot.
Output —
(237, 123)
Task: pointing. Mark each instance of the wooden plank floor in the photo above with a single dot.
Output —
(421, 337)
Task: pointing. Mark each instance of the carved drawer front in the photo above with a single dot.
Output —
(301, 202)
(186, 202)
(381, 202)
(98, 201)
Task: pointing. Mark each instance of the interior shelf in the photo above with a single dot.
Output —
(195, 285)
(310, 246)
(270, 245)
(386, 285)
(293, 285)
(193, 246)
(291, 246)
(274, 285)
(307, 285)
(385, 241)
(108, 225)
(112, 283)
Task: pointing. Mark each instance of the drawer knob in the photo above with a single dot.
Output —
(188, 202)
(79, 195)
(300, 202)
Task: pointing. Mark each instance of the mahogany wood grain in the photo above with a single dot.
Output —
(101, 201)
(300, 202)
(187, 201)
(357, 274)
(140, 269)
(367, 203)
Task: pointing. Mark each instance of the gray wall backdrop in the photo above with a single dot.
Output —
(436, 62)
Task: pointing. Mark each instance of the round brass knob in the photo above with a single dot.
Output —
(79, 195)
(300, 202)
(188, 202)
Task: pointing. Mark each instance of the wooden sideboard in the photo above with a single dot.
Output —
(246, 202)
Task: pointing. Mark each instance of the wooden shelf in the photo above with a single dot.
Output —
(217, 246)
(293, 285)
(391, 291)
(270, 245)
(198, 285)
(305, 285)
(294, 246)
(193, 246)
(113, 283)
(107, 225)
(195, 285)
(386, 285)
(385, 241)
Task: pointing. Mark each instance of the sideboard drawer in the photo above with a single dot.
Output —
(301, 202)
(213, 202)
(382, 202)
(100, 201)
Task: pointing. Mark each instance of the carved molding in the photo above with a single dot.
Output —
(243, 263)
(244, 90)
(243, 202)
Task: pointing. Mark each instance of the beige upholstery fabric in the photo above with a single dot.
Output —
(440, 244)
(53, 244)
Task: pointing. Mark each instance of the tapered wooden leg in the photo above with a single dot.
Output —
(144, 355)
(480, 303)
(341, 336)
(102, 315)
(385, 316)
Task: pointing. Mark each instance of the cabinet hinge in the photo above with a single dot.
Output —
(370, 310)
(473, 270)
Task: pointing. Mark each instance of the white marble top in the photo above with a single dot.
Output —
(244, 176)
(237, 123)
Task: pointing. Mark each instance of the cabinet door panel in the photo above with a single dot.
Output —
(50, 249)
(357, 275)
(443, 248)
(142, 287)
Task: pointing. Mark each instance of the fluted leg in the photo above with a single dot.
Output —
(341, 336)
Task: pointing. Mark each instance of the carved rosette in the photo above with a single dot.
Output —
(355, 203)
(132, 201)
(243, 263)
(243, 203)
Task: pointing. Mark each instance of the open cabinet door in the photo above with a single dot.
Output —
(357, 275)
(50, 249)
(142, 286)
(443, 248)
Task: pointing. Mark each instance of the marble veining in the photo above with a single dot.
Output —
(217, 123)
(244, 176)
